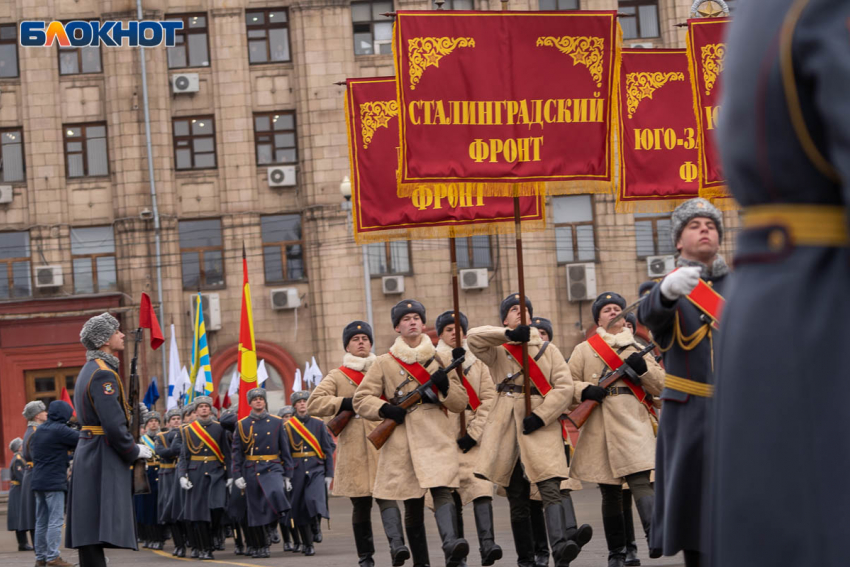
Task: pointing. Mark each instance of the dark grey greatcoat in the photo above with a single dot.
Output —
(309, 498)
(255, 436)
(783, 366)
(100, 498)
(16, 475)
(681, 452)
(237, 506)
(208, 477)
(26, 516)
(168, 446)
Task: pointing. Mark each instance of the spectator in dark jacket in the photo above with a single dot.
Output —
(51, 445)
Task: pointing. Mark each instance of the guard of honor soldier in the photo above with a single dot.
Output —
(14, 502)
(167, 446)
(150, 532)
(35, 413)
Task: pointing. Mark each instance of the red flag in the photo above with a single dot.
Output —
(217, 403)
(147, 320)
(66, 398)
(247, 362)
(226, 403)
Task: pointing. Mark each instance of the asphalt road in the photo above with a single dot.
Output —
(337, 549)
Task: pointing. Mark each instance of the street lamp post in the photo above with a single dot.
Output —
(345, 190)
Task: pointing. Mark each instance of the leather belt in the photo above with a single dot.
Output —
(93, 429)
(801, 224)
(16, 483)
(691, 387)
(616, 391)
(166, 466)
(211, 458)
(515, 389)
(304, 454)
(263, 457)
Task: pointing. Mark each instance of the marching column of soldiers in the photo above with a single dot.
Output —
(266, 478)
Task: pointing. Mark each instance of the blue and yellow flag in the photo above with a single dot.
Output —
(201, 374)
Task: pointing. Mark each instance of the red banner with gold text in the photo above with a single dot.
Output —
(658, 131)
(706, 50)
(518, 101)
(432, 210)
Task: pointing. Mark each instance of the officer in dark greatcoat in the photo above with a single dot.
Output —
(16, 475)
(147, 519)
(203, 469)
(168, 446)
(100, 496)
(682, 314)
(261, 466)
(785, 141)
(35, 413)
(312, 448)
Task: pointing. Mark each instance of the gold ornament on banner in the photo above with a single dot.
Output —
(712, 64)
(709, 9)
(587, 51)
(374, 115)
(641, 85)
(424, 52)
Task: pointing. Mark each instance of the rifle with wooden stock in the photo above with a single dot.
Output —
(581, 414)
(340, 420)
(380, 434)
(140, 477)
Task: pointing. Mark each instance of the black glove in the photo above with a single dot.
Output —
(638, 364)
(595, 393)
(519, 335)
(531, 424)
(458, 352)
(466, 443)
(346, 405)
(441, 380)
(395, 413)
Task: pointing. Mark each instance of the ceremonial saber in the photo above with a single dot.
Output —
(626, 311)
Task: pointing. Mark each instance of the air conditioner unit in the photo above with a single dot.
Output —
(48, 276)
(185, 83)
(285, 298)
(6, 194)
(392, 285)
(581, 282)
(282, 176)
(474, 279)
(644, 45)
(211, 304)
(660, 266)
(380, 44)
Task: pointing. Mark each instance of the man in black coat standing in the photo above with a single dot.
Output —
(51, 445)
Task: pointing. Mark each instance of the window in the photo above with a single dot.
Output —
(46, 385)
(455, 5)
(15, 265)
(85, 150)
(268, 36)
(473, 252)
(639, 18)
(373, 33)
(194, 142)
(274, 138)
(190, 44)
(386, 258)
(8, 51)
(79, 60)
(283, 255)
(559, 5)
(653, 235)
(575, 239)
(93, 258)
(202, 254)
(12, 155)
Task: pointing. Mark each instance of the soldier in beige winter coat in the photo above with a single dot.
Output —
(517, 449)
(617, 442)
(421, 454)
(356, 457)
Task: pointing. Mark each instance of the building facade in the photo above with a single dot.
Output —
(249, 148)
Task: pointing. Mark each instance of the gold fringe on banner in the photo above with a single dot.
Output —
(726, 203)
(451, 231)
(656, 205)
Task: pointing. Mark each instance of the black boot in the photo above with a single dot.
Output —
(391, 519)
(538, 531)
(21, 536)
(178, 532)
(316, 527)
(483, 510)
(644, 507)
(205, 539)
(459, 524)
(239, 543)
(193, 540)
(581, 534)
(628, 517)
(365, 543)
(563, 550)
(524, 543)
(615, 536)
(287, 541)
(418, 545)
(263, 540)
(454, 548)
(297, 546)
(307, 537)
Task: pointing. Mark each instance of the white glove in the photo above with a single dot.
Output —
(240, 483)
(288, 484)
(228, 483)
(328, 481)
(144, 452)
(185, 484)
(680, 283)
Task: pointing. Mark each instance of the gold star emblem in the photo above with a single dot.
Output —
(607, 297)
(710, 9)
(517, 296)
(358, 326)
(409, 305)
(700, 205)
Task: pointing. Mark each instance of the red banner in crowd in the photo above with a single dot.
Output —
(431, 210)
(519, 101)
(706, 50)
(658, 131)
